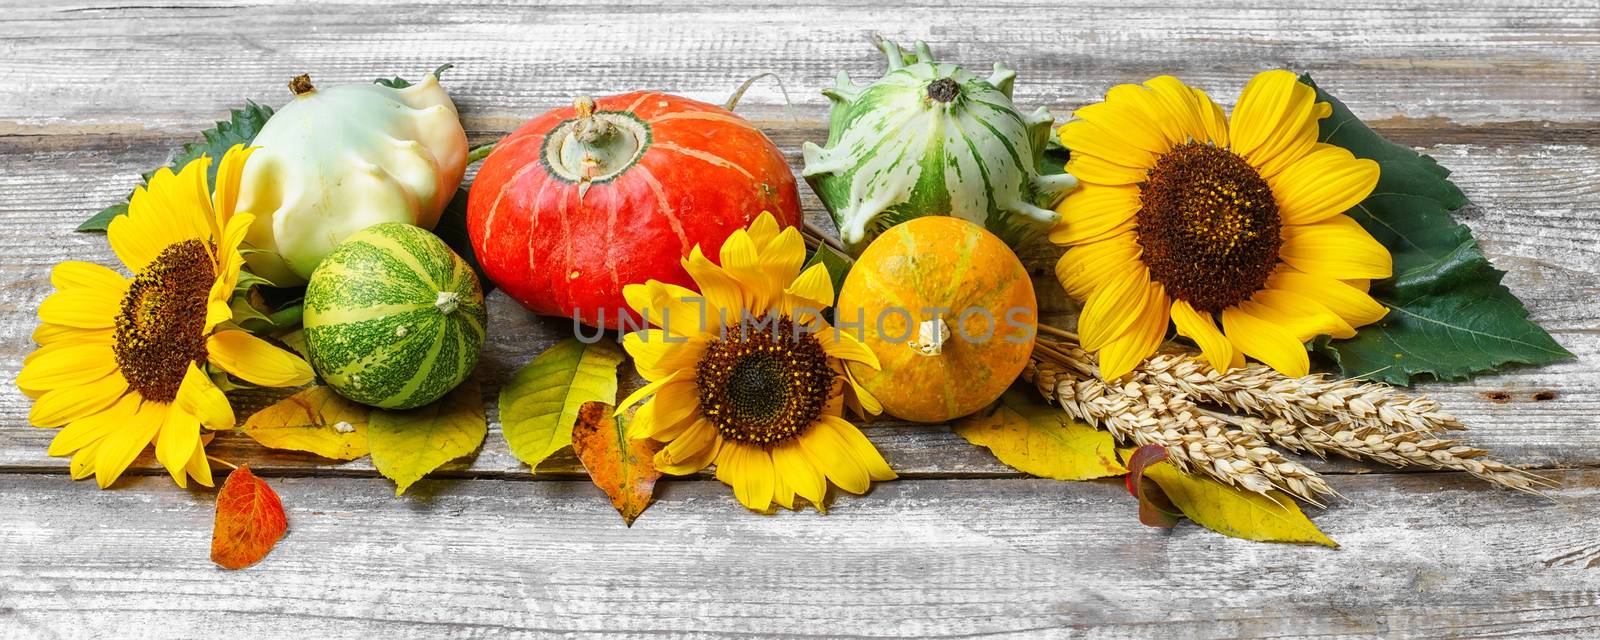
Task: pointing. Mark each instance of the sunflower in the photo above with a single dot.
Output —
(121, 361)
(1188, 215)
(746, 374)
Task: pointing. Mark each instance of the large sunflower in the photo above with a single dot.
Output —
(1189, 215)
(121, 360)
(747, 375)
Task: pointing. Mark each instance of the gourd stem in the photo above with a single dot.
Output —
(597, 144)
(943, 90)
(301, 84)
(447, 302)
(931, 336)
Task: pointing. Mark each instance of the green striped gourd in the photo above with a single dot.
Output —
(933, 139)
(393, 318)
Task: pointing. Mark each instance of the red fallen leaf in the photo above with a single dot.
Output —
(623, 468)
(250, 520)
(1155, 509)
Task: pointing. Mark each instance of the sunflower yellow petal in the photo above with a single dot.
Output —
(199, 397)
(790, 463)
(1113, 307)
(749, 472)
(1154, 110)
(763, 229)
(1212, 118)
(47, 334)
(90, 429)
(1337, 248)
(859, 446)
(783, 257)
(82, 465)
(1125, 351)
(691, 451)
(1202, 329)
(1097, 170)
(676, 405)
(81, 308)
(651, 388)
(122, 446)
(230, 174)
(199, 466)
(175, 442)
(1274, 122)
(742, 262)
(680, 311)
(1084, 268)
(1350, 302)
(657, 354)
(1178, 101)
(74, 274)
(257, 361)
(1130, 123)
(782, 493)
(1089, 139)
(1299, 314)
(863, 402)
(1322, 184)
(1095, 212)
(1266, 342)
(839, 344)
(831, 455)
(813, 286)
(68, 366)
(720, 290)
(63, 405)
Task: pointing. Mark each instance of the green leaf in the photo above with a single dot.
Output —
(540, 403)
(407, 445)
(1449, 316)
(102, 221)
(401, 83)
(316, 420)
(240, 128)
(838, 265)
(1035, 438)
(452, 229)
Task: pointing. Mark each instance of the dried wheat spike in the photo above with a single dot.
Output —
(1312, 400)
(1195, 443)
(1398, 449)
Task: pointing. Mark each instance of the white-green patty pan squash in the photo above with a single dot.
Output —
(933, 139)
(336, 161)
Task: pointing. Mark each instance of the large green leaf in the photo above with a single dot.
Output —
(540, 403)
(240, 128)
(1449, 316)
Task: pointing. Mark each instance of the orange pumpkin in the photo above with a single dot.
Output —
(950, 312)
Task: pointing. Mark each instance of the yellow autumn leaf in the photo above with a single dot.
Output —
(540, 403)
(1033, 437)
(315, 420)
(407, 445)
(1236, 512)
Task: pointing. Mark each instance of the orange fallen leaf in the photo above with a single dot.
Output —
(250, 520)
(619, 466)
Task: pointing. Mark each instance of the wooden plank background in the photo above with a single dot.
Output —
(1501, 91)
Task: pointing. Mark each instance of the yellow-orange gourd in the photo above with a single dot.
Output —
(950, 312)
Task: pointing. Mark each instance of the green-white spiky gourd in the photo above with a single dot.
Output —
(930, 138)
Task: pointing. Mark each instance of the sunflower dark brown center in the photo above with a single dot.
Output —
(763, 385)
(1208, 226)
(161, 328)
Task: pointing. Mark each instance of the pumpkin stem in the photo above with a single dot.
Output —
(301, 85)
(598, 144)
(931, 336)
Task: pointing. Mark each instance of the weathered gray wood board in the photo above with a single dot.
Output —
(1502, 92)
(952, 558)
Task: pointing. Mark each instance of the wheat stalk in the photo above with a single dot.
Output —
(1259, 390)
(1195, 442)
(1397, 449)
(1313, 414)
